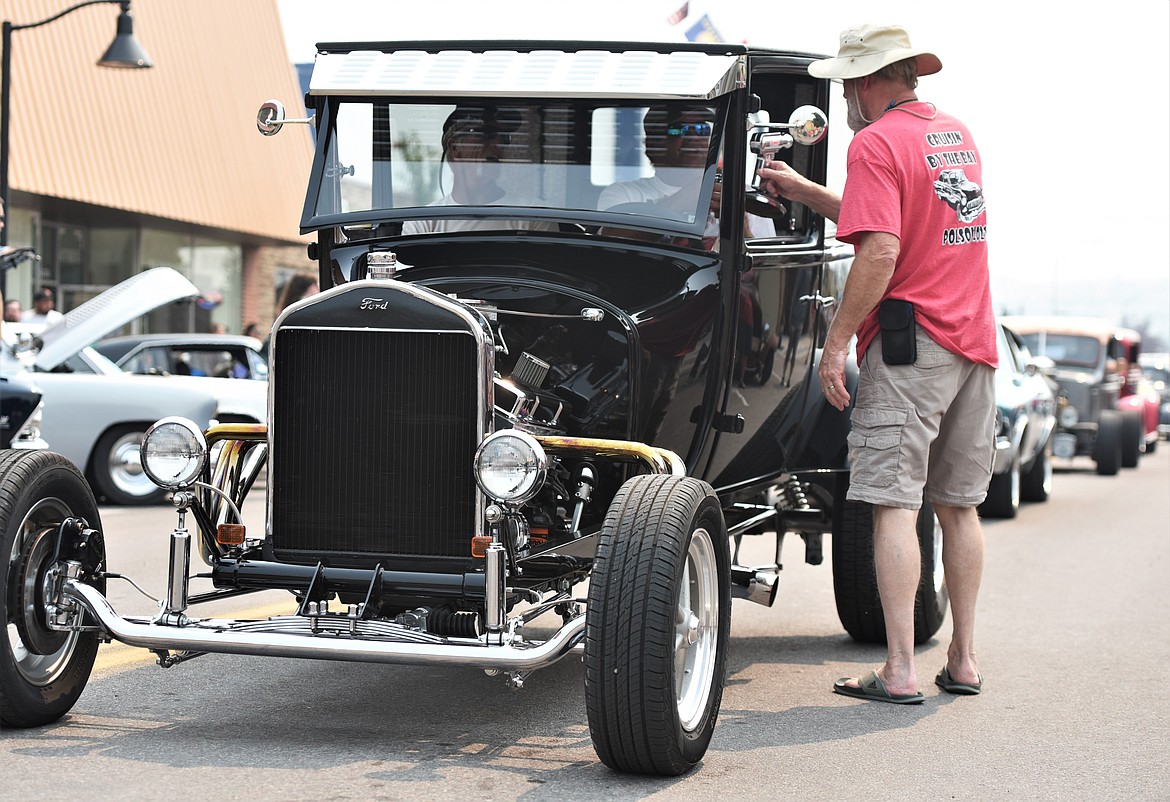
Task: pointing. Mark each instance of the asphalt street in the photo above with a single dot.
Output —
(1074, 623)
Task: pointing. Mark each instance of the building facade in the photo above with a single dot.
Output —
(112, 172)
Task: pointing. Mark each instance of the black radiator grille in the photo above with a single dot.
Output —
(373, 438)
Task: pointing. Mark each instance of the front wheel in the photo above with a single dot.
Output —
(42, 671)
(855, 583)
(657, 626)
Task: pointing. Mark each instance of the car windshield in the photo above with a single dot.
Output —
(1073, 350)
(566, 157)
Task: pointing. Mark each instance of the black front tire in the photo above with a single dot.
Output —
(657, 626)
(855, 582)
(38, 490)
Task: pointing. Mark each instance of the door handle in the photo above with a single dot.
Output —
(823, 301)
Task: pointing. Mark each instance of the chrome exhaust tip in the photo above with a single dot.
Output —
(757, 584)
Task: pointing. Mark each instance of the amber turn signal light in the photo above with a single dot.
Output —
(479, 545)
(230, 534)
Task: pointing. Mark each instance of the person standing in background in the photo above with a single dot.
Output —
(42, 311)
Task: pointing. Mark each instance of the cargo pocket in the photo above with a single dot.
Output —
(875, 445)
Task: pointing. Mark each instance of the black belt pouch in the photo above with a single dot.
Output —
(896, 319)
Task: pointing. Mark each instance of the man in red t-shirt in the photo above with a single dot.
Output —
(923, 421)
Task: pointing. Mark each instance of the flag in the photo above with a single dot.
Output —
(679, 15)
(703, 31)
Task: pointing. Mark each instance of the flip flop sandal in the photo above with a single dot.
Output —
(871, 688)
(944, 681)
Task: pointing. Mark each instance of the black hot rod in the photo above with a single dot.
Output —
(562, 342)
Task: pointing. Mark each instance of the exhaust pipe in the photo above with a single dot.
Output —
(757, 585)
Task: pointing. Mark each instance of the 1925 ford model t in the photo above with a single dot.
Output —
(519, 376)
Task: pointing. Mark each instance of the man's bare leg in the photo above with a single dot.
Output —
(963, 563)
(899, 569)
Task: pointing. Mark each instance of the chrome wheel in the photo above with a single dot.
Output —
(43, 671)
(32, 551)
(124, 466)
(696, 631)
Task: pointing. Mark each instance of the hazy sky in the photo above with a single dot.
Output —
(1066, 100)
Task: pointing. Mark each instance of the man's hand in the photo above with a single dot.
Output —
(831, 372)
(781, 181)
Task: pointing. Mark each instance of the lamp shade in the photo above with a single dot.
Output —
(125, 51)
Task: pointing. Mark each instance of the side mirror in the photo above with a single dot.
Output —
(270, 119)
(806, 126)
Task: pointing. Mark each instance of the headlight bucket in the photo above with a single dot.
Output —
(510, 466)
(1068, 416)
(174, 452)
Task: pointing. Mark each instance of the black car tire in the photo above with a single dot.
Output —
(1107, 446)
(1036, 483)
(116, 469)
(657, 626)
(38, 490)
(1003, 493)
(855, 583)
(1132, 438)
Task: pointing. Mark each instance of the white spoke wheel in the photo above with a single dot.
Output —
(657, 626)
(116, 468)
(42, 671)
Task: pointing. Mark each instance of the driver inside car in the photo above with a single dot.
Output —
(471, 142)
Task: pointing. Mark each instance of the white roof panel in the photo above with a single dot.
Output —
(535, 73)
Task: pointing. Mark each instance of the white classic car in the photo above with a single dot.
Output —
(95, 413)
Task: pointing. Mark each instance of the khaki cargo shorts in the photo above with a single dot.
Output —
(927, 427)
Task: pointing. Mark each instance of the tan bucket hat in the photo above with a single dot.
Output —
(867, 48)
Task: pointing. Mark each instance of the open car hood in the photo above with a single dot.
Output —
(111, 310)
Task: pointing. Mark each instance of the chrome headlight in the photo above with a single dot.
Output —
(1068, 416)
(173, 453)
(510, 466)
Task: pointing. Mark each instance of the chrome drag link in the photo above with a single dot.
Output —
(224, 640)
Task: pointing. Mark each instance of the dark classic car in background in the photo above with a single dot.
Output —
(1025, 420)
(467, 424)
(1095, 368)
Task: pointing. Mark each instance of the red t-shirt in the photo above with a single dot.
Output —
(921, 180)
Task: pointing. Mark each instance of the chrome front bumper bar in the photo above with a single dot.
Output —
(219, 638)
